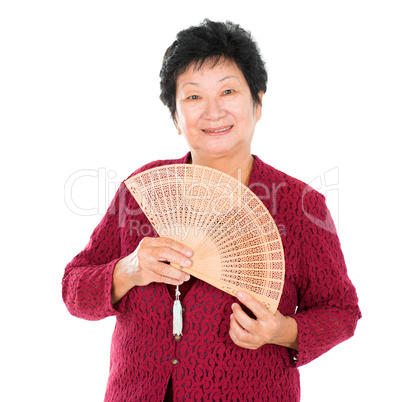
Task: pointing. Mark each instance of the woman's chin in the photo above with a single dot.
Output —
(220, 148)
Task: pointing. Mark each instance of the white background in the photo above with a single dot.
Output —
(79, 91)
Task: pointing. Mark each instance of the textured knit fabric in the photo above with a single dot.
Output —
(205, 364)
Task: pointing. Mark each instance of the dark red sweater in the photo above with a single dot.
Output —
(205, 364)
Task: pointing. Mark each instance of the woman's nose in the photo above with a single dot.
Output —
(214, 109)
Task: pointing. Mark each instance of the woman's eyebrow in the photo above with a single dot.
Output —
(229, 76)
(190, 83)
(222, 79)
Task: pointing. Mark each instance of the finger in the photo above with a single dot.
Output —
(166, 279)
(153, 272)
(166, 253)
(148, 253)
(241, 333)
(240, 336)
(167, 271)
(255, 306)
(153, 276)
(180, 248)
(242, 344)
(243, 320)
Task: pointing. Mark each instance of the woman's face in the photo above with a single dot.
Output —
(215, 110)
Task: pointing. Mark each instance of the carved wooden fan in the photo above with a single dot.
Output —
(235, 241)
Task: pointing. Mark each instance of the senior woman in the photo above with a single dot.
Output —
(213, 80)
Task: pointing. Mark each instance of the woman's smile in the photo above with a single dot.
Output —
(217, 131)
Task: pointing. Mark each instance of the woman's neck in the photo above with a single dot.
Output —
(239, 166)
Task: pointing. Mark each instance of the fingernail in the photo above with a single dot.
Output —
(187, 263)
(187, 277)
(240, 295)
(188, 253)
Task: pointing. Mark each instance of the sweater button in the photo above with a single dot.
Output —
(175, 362)
(177, 338)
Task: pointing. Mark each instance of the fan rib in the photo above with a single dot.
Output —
(200, 216)
(227, 228)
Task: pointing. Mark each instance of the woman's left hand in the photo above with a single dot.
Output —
(270, 328)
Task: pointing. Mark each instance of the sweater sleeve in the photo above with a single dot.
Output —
(87, 281)
(327, 311)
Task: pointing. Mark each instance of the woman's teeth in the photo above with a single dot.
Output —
(218, 131)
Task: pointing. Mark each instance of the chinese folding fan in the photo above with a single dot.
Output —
(235, 241)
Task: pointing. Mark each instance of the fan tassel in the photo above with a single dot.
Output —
(177, 315)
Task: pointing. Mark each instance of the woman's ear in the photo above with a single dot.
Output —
(259, 106)
(177, 126)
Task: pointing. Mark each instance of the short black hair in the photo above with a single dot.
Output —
(212, 41)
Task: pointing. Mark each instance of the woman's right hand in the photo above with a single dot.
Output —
(147, 263)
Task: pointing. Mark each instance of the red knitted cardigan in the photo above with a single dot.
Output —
(205, 364)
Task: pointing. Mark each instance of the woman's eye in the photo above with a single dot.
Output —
(228, 91)
(193, 97)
